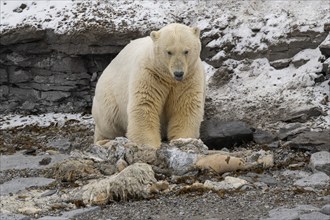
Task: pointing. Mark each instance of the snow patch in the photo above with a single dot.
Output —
(43, 120)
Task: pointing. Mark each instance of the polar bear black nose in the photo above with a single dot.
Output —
(178, 75)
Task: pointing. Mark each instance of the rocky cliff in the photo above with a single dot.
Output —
(265, 61)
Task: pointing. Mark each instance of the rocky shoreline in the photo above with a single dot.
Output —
(266, 126)
(55, 165)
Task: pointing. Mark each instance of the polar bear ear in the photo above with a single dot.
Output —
(154, 35)
(196, 31)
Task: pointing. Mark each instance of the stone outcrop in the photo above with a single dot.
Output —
(42, 71)
(47, 66)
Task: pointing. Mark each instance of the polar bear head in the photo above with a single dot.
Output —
(177, 47)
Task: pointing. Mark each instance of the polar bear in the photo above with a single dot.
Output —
(153, 89)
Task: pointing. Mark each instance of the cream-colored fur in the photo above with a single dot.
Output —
(139, 93)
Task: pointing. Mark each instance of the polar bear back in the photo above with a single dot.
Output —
(116, 78)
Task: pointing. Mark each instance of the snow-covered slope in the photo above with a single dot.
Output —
(245, 37)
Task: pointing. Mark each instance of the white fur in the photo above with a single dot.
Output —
(137, 95)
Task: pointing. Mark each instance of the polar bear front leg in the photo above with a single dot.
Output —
(185, 114)
(144, 109)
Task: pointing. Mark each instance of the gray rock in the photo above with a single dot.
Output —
(326, 66)
(315, 180)
(54, 95)
(320, 161)
(22, 35)
(19, 75)
(217, 134)
(306, 209)
(13, 216)
(3, 76)
(299, 62)
(27, 162)
(291, 130)
(18, 184)
(304, 115)
(314, 216)
(263, 137)
(264, 178)
(325, 209)
(296, 173)
(280, 64)
(294, 213)
(312, 140)
(4, 91)
(283, 214)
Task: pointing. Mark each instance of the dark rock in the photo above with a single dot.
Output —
(281, 55)
(312, 140)
(19, 76)
(217, 134)
(299, 62)
(280, 64)
(24, 94)
(320, 78)
(3, 76)
(221, 76)
(31, 151)
(263, 137)
(327, 27)
(291, 131)
(326, 66)
(45, 161)
(304, 115)
(325, 47)
(54, 95)
(23, 34)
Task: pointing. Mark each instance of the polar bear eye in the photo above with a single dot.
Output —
(169, 53)
(186, 52)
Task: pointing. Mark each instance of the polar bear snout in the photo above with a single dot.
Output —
(178, 75)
